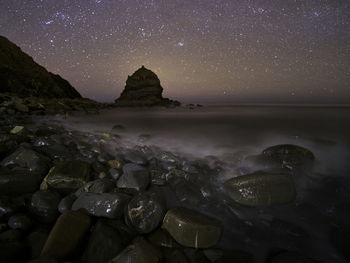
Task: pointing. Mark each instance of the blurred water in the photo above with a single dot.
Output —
(231, 133)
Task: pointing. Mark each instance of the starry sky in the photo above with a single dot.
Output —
(202, 50)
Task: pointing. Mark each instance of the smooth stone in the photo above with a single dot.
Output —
(67, 235)
(136, 157)
(140, 251)
(22, 222)
(116, 164)
(228, 256)
(98, 186)
(44, 204)
(288, 155)
(110, 205)
(261, 189)
(35, 242)
(11, 252)
(135, 178)
(191, 228)
(17, 182)
(145, 212)
(66, 203)
(17, 129)
(115, 174)
(11, 235)
(168, 157)
(67, 176)
(162, 238)
(27, 159)
(112, 241)
(174, 255)
(56, 152)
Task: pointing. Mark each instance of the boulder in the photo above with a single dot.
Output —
(44, 205)
(191, 228)
(67, 176)
(135, 178)
(260, 189)
(110, 205)
(140, 251)
(289, 156)
(17, 182)
(67, 235)
(143, 89)
(28, 160)
(145, 212)
(22, 222)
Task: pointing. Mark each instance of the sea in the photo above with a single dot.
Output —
(316, 225)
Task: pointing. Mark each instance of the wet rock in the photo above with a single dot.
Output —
(17, 130)
(11, 235)
(187, 191)
(114, 174)
(98, 186)
(67, 176)
(288, 155)
(174, 255)
(27, 159)
(112, 241)
(66, 203)
(145, 212)
(16, 182)
(140, 251)
(192, 229)
(135, 157)
(162, 238)
(36, 241)
(116, 164)
(56, 152)
(261, 189)
(290, 257)
(108, 205)
(11, 252)
(22, 222)
(67, 235)
(135, 178)
(168, 157)
(228, 256)
(44, 205)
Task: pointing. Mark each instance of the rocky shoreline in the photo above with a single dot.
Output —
(69, 195)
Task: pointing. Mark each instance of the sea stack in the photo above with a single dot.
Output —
(143, 89)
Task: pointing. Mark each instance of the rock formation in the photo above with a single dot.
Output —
(20, 75)
(143, 89)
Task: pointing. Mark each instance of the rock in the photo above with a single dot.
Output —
(174, 255)
(19, 74)
(36, 241)
(111, 239)
(116, 164)
(98, 186)
(110, 205)
(17, 182)
(290, 257)
(11, 252)
(22, 222)
(135, 157)
(135, 178)
(17, 130)
(192, 229)
(143, 89)
(162, 238)
(289, 156)
(145, 212)
(115, 174)
(228, 256)
(261, 189)
(11, 235)
(66, 203)
(44, 205)
(140, 251)
(68, 176)
(67, 235)
(27, 159)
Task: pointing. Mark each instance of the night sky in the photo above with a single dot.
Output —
(202, 50)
